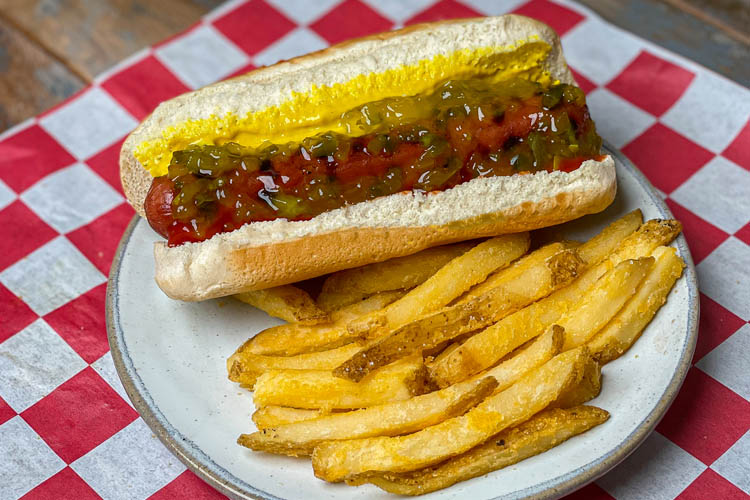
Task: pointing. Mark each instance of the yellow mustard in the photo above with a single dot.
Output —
(320, 110)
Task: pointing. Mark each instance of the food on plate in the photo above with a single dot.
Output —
(537, 435)
(532, 278)
(611, 237)
(625, 328)
(531, 355)
(339, 460)
(390, 419)
(448, 283)
(564, 265)
(286, 302)
(584, 314)
(486, 347)
(274, 416)
(293, 338)
(370, 150)
(503, 351)
(603, 300)
(245, 367)
(402, 273)
(585, 390)
(319, 389)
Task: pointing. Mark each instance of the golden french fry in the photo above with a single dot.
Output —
(273, 416)
(533, 262)
(446, 284)
(532, 320)
(603, 301)
(450, 347)
(537, 435)
(585, 390)
(392, 419)
(535, 354)
(402, 273)
(245, 367)
(604, 243)
(625, 328)
(580, 316)
(287, 302)
(340, 460)
(533, 277)
(641, 243)
(615, 243)
(292, 338)
(315, 389)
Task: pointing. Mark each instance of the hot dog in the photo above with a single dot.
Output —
(365, 151)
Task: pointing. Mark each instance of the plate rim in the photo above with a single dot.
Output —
(234, 487)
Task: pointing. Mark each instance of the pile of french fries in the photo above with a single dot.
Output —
(419, 372)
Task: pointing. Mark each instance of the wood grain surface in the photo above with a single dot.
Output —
(92, 35)
(715, 34)
(49, 49)
(31, 79)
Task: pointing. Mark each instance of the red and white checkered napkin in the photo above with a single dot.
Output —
(67, 430)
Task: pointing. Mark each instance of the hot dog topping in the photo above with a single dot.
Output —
(465, 129)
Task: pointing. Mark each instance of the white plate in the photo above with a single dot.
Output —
(171, 359)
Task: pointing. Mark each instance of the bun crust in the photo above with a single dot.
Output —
(266, 254)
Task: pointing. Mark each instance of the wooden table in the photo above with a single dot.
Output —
(49, 49)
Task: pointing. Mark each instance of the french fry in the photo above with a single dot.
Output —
(340, 460)
(535, 354)
(640, 243)
(448, 349)
(635, 245)
(587, 314)
(315, 389)
(292, 338)
(523, 266)
(600, 246)
(533, 277)
(532, 320)
(537, 435)
(446, 284)
(273, 416)
(392, 419)
(287, 302)
(625, 328)
(585, 390)
(402, 273)
(603, 301)
(245, 367)
(616, 241)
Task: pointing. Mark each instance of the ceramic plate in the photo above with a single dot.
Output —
(171, 359)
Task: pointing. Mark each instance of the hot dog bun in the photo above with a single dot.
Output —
(265, 254)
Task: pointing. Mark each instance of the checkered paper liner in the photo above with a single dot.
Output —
(67, 429)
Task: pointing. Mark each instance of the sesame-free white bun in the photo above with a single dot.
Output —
(264, 254)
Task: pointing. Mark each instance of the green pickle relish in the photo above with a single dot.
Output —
(463, 130)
